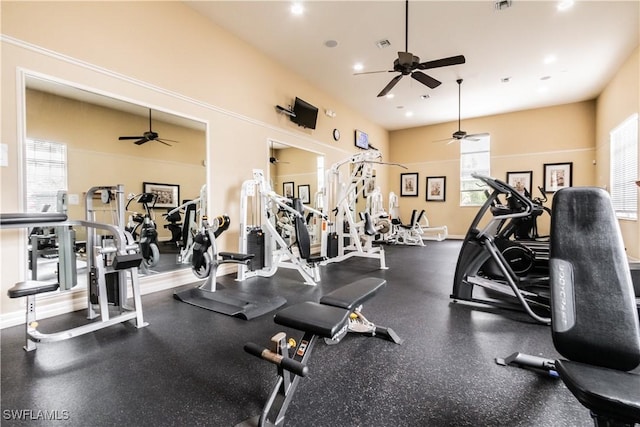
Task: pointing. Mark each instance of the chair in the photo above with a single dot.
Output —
(594, 316)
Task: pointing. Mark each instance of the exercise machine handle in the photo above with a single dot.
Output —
(290, 365)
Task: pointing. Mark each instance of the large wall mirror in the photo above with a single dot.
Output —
(72, 142)
(296, 172)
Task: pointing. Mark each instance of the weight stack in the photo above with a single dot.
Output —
(332, 245)
(255, 246)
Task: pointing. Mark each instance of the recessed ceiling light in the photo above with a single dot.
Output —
(297, 9)
(390, 96)
(545, 77)
(550, 59)
(400, 107)
(505, 79)
(331, 43)
(565, 5)
(425, 96)
(358, 66)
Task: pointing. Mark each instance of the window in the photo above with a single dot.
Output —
(623, 141)
(474, 158)
(46, 174)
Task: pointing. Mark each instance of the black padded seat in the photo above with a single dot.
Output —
(350, 296)
(604, 391)
(323, 320)
(233, 256)
(31, 287)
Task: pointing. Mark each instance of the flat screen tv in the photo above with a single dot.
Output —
(306, 114)
(362, 140)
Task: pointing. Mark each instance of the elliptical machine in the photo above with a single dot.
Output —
(489, 258)
(143, 228)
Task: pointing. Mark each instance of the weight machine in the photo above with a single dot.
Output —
(345, 237)
(418, 228)
(267, 210)
(193, 212)
(110, 263)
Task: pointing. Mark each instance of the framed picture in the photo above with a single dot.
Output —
(303, 193)
(436, 188)
(287, 189)
(521, 181)
(557, 176)
(167, 195)
(369, 187)
(409, 184)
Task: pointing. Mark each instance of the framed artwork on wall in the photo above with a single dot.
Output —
(557, 176)
(303, 193)
(436, 188)
(287, 189)
(167, 195)
(409, 184)
(521, 181)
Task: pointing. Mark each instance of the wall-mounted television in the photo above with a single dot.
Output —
(362, 140)
(306, 114)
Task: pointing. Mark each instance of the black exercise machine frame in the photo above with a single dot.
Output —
(479, 246)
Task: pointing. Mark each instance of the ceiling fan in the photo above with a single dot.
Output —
(273, 159)
(150, 135)
(460, 134)
(409, 64)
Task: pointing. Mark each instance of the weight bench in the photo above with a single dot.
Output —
(332, 318)
(594, 319)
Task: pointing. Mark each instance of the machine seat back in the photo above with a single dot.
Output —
(594, 314)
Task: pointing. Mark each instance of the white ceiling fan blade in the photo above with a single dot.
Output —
(476, 136)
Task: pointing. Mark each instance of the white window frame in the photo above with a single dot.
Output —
(46, 172)
(623, 144)
(484, 155)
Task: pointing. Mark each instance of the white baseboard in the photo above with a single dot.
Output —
(76, 299)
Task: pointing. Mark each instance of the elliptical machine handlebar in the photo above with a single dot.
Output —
(504, 188)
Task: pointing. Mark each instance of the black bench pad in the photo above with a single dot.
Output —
(353, 294)
(31, 287)
(323, 320)
(603, 391)
(234, 256)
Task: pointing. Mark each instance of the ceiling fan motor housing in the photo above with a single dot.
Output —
(459, 134)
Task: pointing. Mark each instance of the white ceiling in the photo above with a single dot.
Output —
(590, 42)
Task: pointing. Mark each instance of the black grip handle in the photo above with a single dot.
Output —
(290, 365)
(294, 367)
(254, 349)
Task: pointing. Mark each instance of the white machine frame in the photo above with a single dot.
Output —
(258, 197)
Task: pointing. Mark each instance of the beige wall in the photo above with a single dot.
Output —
(520, 141)
(619, 100)
(189, 67)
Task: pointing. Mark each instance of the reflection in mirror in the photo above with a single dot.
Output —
(295, 172)
(73, 144)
